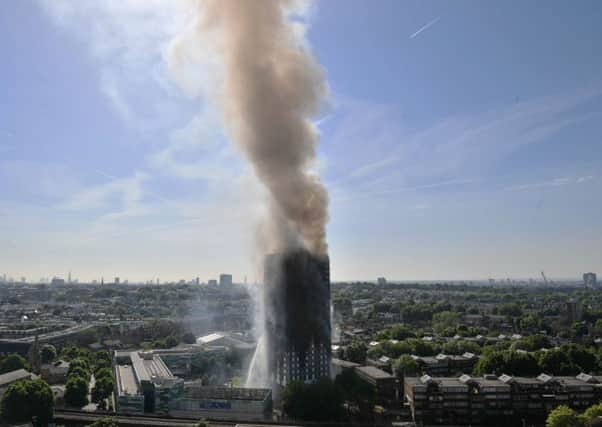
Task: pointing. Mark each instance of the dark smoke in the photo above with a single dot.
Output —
(272, 86)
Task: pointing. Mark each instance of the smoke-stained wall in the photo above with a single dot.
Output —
(297, 302)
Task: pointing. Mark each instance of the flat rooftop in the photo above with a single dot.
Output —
(13, 376)
(207, 339)
(126, 380)
(375, 373)
(343, 363)
(148, 366)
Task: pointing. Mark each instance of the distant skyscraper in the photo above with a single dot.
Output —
(212, 282)
(116, 280)
(297, 306)
(57, 281)
(590, 280)
(225, 280)
(69, 280)
(381, 281)
(574, 311)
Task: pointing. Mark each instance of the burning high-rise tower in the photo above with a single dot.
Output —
(269, 88)
(297, 302)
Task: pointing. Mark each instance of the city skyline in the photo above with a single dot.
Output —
(456, 144)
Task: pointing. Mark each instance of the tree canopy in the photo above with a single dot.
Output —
(321, 401)
(563, 416)
(12, 362)
(76, 391)
(47, 353)
(356, 352)
(25, 399)
(104, 422)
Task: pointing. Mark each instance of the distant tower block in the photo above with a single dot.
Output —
(225, 280)
(297, 304)
(590, 280)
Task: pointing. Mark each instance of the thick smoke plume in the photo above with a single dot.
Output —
(271, 87)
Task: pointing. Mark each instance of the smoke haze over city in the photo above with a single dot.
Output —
(300, 212)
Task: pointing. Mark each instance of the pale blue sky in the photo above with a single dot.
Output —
(469, 150)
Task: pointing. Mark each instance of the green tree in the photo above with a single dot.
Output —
(171, 341)
(490, 363)
(354, 390)
(423, 348)
(13, 362)
(401, 332)
(507, 362)
(444, 319)
(188, 338)
(531, 343)
(406, 366)
(593, 413)
(563, 416)
(78, 371)
(81, 366)
(101, 360)
(530, 322)
(47, 353)
(103, 388)
(101, 357)
(579, 329)
(522, 364)
(556, 362)
(582, 357)
(104, 422)
(25, 399)
(70, 352)
(321, 401)
(76, 391)
(104, 372)
(510, 309)
(356, 352)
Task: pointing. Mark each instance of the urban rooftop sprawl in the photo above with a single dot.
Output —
(449, 353)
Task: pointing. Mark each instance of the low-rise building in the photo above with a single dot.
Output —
(444, 365)
(223, 402)
(338, 366)
(145, 384)
(383, 383)
(506, 400)
(143, 381)
(14, 376)
(54, 372)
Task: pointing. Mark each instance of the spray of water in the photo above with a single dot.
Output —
(258, 369)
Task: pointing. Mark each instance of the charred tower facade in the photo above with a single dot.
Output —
(297, 302)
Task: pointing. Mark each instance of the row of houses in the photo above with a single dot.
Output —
(504, 400)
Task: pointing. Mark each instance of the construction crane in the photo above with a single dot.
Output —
(545, 280)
